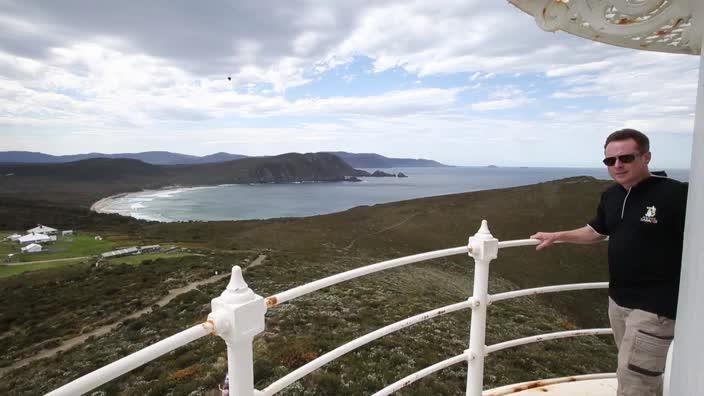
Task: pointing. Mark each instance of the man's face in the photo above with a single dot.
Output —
(627, 174)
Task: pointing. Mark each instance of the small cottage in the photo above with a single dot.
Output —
(32, 248)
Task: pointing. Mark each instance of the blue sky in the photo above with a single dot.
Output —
(464, 83)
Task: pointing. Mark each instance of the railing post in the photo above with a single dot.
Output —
(238, 315)
(483, 248)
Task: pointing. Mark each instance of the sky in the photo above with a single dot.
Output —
(462, 82)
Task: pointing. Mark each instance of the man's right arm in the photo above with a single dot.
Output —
(581, 235)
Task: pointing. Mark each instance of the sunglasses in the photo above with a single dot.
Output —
(626, 159)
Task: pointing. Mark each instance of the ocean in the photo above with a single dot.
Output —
(263, 201)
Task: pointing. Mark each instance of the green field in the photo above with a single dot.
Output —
(64, 247)
(9, 270)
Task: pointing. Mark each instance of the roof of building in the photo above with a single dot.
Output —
(34, 238)
(41, 229)
(120, 252)
(32, 246)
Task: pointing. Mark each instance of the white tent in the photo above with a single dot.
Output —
(41, 229)
(14, 237)
(32, 248)
(35, 238)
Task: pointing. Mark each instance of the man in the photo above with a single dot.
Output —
(643, 216)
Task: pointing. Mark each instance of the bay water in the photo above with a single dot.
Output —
(262, 201)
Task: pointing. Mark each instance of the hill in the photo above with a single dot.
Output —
(150, 157)
(371, 160)
(365, 160)
(60, 304)
(85, 181)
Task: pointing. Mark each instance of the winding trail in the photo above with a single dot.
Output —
(391, 227)
(46, 261)
(102, 330)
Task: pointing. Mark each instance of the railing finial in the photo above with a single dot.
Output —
(484, 228)
(237, 290)
(238, 315)
(483, 245)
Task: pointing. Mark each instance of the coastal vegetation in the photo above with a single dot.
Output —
(51, 306)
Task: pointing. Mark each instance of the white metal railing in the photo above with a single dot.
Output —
(238, 315)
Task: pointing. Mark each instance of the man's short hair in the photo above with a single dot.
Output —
(641, 140)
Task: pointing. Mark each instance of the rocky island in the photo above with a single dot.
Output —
(379, 173)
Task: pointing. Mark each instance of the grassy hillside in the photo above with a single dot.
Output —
(305, 249)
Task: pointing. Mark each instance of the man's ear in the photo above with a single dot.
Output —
(646, 157)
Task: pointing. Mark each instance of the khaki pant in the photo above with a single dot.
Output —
(642, 339)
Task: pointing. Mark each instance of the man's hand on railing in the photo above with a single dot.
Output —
(580, 235)
(546, 239)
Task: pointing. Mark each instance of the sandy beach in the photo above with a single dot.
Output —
(100, 205)
(104, 203)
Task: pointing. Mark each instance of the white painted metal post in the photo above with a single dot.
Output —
(685, 377)
(483, 248)
(238, 315)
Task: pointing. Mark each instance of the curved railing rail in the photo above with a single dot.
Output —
(238, 315)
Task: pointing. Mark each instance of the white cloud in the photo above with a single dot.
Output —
(578, 69)
(94, 69)
(503, 97)
(499, 104)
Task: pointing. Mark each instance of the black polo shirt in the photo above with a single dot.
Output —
(645, 225)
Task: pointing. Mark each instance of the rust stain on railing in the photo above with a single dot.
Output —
(211, 324)
(530, 385)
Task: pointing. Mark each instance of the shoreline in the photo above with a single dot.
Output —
(136, 204)
(99, 205)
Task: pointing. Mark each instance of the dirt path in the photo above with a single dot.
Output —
(258, 261)
(69, 259)
(391, 227)
(47, 261)
(102, 330)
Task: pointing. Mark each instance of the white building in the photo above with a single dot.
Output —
(149, 249)
(66, 232)
(36, 238)
(41, 229)
(32, 248)
(14, 237)
(121, 252)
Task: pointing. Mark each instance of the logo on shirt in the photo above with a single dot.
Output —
(649, 216)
